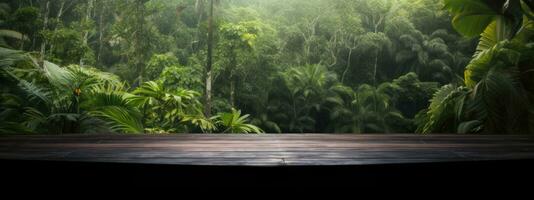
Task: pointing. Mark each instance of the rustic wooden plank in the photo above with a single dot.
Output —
(267, 150)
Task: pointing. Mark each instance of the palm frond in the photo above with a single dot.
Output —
(58, 76)
(34, 119)
(14, 128)
(120, 119)
(9, 57)
(36, 93)
(12, 34)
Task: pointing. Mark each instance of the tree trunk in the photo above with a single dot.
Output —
(209, 63)
(374, 81)
(100, 31)
(139, 47)
(22, 43)
(375, 68)
(233, 65)
(58, 17)
(200, 12)
(232, 92)
(85, 36)
(347, 67)
(45, 25)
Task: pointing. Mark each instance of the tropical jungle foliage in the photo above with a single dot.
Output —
(275, 66)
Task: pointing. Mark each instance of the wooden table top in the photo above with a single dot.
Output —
(267, 149)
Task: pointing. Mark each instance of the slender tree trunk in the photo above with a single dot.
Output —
(349, 59)
(58, 18)
(233, 65)
(32, 47)
(374, 81)
(22, 43)
(295, 113)
(76, 124)
(200, 11)
(45, 25)
(100, 31)
(85, 36)
(375, 68)
(209, 63)
(232, 92)
(143, 118)
(139, 35)
(377, 24)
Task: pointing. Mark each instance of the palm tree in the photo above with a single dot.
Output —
(364, 110)
(346, 114)
(75, 96)
(170, 109)
(68, 99)
(10, 103)
(306, 90)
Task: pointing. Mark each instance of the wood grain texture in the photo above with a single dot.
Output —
(267, 150)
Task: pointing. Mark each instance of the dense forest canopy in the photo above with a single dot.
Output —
(275, 66)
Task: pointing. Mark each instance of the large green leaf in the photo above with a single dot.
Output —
(498, 102)
(471, 17)
(500, 56)
(496, 32)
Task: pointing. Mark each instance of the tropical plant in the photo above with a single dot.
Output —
(277, 60)
(66, 99)
(116, 108)
(8, 33)
(498, 93)
(236, 40)
(305, 90)
(268, 125)
(167, 109)
(234, 122)
(445, 113)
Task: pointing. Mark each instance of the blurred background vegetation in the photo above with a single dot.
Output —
(279, 66)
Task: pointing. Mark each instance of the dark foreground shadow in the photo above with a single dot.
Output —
(452, 174)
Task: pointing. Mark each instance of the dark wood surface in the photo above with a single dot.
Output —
(267, 150)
